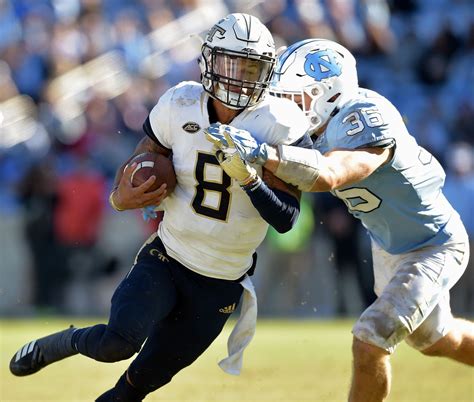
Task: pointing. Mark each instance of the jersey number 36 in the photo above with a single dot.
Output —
(371, 117)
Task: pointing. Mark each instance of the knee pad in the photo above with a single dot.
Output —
(433, 328)
(381, 325)
(114, 348)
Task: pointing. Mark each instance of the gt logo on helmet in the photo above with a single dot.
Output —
(213, 31)
(237, 61)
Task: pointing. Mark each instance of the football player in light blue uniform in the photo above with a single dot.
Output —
(402, 205)
(364, 155)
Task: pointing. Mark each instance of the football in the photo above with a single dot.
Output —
(154, 164)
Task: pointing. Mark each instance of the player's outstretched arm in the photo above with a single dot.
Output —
(343, 167)
(124, 196)
(311, 171)
(307, 169)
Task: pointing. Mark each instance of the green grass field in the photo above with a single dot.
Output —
(287, 361)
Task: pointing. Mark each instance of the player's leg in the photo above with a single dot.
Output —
(146, 295)
(444, 336)
(458, 344)
(441, 334)
(371, 372)
(41, 352)
(418, 283)
(181, 338)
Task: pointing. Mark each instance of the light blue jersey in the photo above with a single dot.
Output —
(401, 204)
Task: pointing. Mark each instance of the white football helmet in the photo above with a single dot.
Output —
(320, 68)
(238, 58)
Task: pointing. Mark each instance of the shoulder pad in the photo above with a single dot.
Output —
(288, 121)
(363, 121)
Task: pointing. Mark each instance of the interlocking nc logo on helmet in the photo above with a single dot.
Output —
(322, 64)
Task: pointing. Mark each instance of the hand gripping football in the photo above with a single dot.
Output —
(154, 164)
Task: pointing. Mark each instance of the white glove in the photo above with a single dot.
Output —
(235, 166)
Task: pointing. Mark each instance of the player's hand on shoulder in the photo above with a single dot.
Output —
(126, 196)
(226, 137)
(215, 135)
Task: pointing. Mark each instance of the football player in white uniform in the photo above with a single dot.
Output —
(189, 277)
(365, 156)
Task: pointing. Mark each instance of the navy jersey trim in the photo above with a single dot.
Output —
(385, 143)
(304, 142)
(149, 132)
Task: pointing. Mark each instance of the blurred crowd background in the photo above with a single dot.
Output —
(78, 78)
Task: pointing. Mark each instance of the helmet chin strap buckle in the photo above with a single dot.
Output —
(314, 120)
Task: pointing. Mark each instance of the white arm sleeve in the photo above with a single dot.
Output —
(299, 166)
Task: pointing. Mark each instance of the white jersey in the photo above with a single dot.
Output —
(210, 225)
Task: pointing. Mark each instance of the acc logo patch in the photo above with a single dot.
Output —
(191, 127)
(322, 64)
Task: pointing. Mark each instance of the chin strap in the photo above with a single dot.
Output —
(232, 99)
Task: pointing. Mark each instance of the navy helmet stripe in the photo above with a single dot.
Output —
(248, 24)
(282, 59)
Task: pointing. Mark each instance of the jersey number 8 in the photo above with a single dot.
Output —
(203, 186)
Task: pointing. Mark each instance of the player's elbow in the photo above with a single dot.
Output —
(283, 228)
(337, 176)
(327, 181)
(285, 225)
